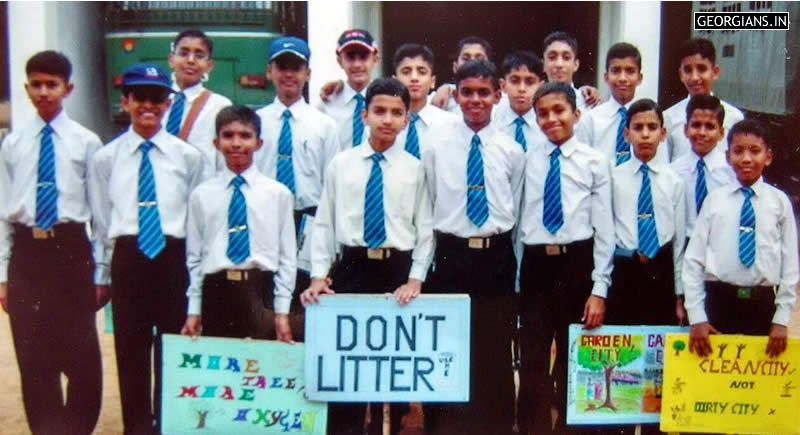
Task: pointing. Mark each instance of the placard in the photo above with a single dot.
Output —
(369, 348)
(226, 386)
(736, 389)
(615, 374)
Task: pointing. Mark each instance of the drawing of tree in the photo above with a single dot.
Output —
(678, 346)
(626, 356)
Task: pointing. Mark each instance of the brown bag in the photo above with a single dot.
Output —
(197, 106)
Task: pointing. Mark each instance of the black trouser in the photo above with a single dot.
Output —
(487, 274)
(233, 303)
(553, 292)
(642, 293)
(148, 300)
(740, 310)
(51, 307)
(356, 273)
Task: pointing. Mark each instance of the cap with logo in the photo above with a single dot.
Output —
(146, 74)
(290, 45)
(357, 37)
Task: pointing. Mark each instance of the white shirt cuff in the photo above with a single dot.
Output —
(195, 306)
(697, 315)
(281, 304)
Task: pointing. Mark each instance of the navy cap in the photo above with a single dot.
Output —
(357, 37)
(289, 44)
(146, 74)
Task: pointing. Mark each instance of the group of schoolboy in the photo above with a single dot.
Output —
(193, 213)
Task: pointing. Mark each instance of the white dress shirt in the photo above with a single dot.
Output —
(718, 173)
(713, 251)
(341, 107)
(446, 171)
(203, 131)
(73, 146)
(270, 228)
(313, 147)
(585, 201)
(406, 204)
(432, 122)
(504, 117)
(675, 120)
(113, 179)
(669, 207)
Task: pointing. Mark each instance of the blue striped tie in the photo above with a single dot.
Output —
(176, 114)
(238, 235)
(747, 230)
(519, 135)
(285, 167)
(623, 148)
(46, 189)
(374, 227)
(648, 238)
(477, 204)
(553, 214)
(151, 238)
(700, 190)
(412, 140)
(358, 125)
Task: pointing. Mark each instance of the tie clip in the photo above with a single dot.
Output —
(237, 229)
(623, 153)
(645, 216)
(284, 156)
(147, 203)
(475, 187)
(746, 229)
(43, 184)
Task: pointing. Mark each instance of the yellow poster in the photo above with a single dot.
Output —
(736, 389)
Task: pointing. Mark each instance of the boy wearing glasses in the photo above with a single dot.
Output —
(357, 54)
(194, 108)
(139, 186)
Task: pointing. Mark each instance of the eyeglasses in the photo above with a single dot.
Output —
(198, 55)
(153, 94)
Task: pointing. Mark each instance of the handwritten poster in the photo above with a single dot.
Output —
(615, 374)
(226, 386)
(736, 389)
(368, 348)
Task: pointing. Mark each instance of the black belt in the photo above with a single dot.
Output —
(758, 292)
(556, 249)
(446, 240)
(371, 254)
(62, 230)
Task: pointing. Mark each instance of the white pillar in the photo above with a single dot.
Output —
(638, 23)
(27, 34)
(326, 21)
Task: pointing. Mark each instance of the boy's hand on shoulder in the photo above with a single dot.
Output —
(319, 286)
(591, 95)
(283, 330)
(4, 296)
(680, 312)
(698, 338)
(408, 291)
(441, 97)
(102, 295)
(331, 89)
(593, 312)
(193, 325)
(777, 340)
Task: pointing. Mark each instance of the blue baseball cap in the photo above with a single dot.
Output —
(146, 74)
(289, 44)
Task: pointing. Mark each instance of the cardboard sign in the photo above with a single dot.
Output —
(368, 348)
(736, 389)
(615, 374)
(225, 386)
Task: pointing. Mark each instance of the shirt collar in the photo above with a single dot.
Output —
(191, 92)
(567, 148)
(348, 92)
(427, 113)
(297, 108)
(615, 104)
(652, 165)
(758, 187)
(484, 134)
(713, 160)
(506, 115)
(365, 151)
(158, 140)
(58, 123)
(248, 174)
